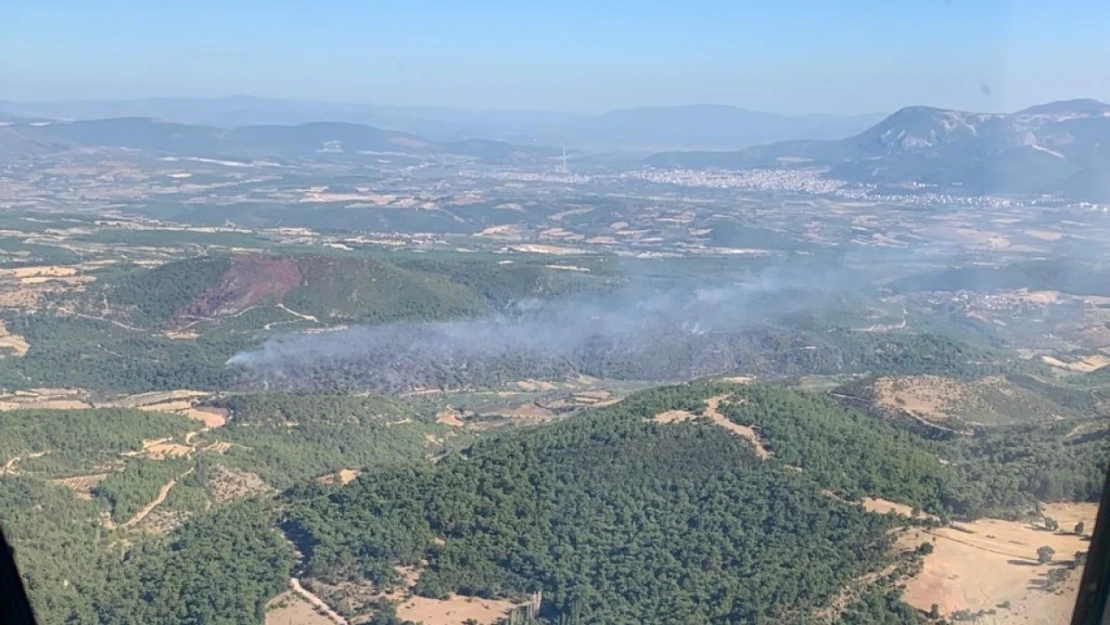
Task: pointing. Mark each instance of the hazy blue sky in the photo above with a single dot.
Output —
(794, 56)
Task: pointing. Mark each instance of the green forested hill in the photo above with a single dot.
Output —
(614, 519)
(327, 287)
(375, 291)
(602, 511)
(219, 568)
(287, 438)
(72, 441)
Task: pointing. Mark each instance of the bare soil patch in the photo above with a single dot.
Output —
(168, 406)
(534, 385)
(883, 506)
(528, 412)
(342, 476)
(158, 450)
(1087, 364)
(453, 611)
(929, 397)
(673, 416)
(289, 608)
(449, 416)
(67, 280)
(45, 399)
(553, 250)
(49, 271)
(210, 417)
(977, 566)
(181, 401)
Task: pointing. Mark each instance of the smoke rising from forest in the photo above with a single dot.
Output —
(638, 332)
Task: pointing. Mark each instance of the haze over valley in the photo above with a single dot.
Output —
(276, 361)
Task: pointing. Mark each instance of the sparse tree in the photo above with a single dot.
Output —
(934, 611)
(1079, 527)
(1044, 554)
(1051, 524)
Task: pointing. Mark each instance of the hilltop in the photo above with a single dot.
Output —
(324, 290)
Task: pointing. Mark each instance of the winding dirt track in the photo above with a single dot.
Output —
(162, 493)
(712, 410)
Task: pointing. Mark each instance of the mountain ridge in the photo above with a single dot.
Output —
(629, 129)
(21, 137)
(1058, 148)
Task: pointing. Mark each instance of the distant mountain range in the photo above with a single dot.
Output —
(1056, 148)
(20, 137)
(1060, 148)
(642, 130)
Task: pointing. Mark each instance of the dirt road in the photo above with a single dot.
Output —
(315, 601)
(162, 493)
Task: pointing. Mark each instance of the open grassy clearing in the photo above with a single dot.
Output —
(983, 564)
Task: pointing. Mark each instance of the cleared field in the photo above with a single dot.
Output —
(673, 416)
(181, 401)
(21, 299)
(930, 397)
(534, 385)
(342, 476)
(453, 611)
(143, 400)
(981, 565)
(289, 608)
(218, 447)
(449, 416)
(169, 406)
(525, 412)
(883, 506)
(944, 401)
(41, 271)
(83, 485)
(210, 417)
(160, 449)
(1084, 365)
(68, 280)
(45, 399)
